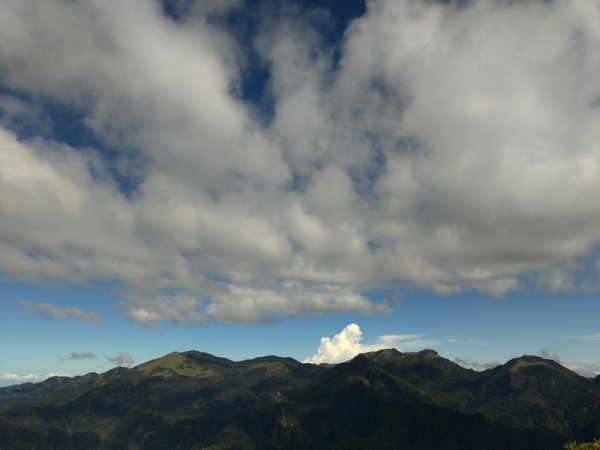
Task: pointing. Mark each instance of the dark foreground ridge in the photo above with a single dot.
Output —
(378, 400)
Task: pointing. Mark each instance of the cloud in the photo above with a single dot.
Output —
(122, 359)
(249, 305)
(51, 312)
(469, 363)
(591, 337)
(560, 278)
(343, 346)
(7, 379)
(347, 344)
(79, 355)
(180, 309)
(429, 148)
(550, 355)
(585, 367)
(23, 117)
(474, 341)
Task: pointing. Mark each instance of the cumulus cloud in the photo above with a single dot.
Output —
(51, 312)
(79, 355)
(347, 344)
(438, 146)
(122, 359)
(7, 379)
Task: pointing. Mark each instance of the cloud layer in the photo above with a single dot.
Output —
(14, 378)
(439, 147)
(590, 337)
(347, 344)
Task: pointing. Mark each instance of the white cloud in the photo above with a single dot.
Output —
(592, 337)
(550, 355)
(7, 379)
(343, 346)
(440, 153)
(180, 308)
(347, 344)
(560, 278)
(51, 312)
(122, 359)
(474, 341)
(476, 365)
(240, 304)
(585, 367)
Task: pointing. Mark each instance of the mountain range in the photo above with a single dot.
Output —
(381, 400)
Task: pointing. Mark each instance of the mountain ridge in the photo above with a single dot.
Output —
(279, 402)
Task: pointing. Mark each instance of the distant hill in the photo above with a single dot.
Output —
(384, 399)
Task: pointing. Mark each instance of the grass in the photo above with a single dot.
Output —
(595, 445)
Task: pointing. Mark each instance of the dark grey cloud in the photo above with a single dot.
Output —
(439, 153)
(79, 355)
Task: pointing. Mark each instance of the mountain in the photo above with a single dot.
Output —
(527, 392)
(383, 399)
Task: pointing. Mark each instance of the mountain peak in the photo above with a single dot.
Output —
(166, 365)
(190, 363)
(531, 360)
(389, 354)
(428, 354)
(364, 370)
(382, 355)
(206, 357)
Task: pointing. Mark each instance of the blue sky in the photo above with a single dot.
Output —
(249, 177)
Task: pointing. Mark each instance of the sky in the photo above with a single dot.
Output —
(310, 179)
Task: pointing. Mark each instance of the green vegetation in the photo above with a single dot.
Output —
(383, 399)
